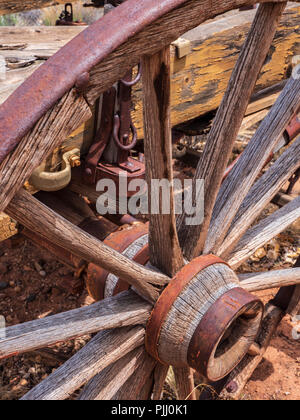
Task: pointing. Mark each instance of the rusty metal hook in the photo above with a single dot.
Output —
(134, 81)
(116, 135)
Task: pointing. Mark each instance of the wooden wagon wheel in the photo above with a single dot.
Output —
(205, 318)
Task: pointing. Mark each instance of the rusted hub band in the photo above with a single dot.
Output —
(168, 297)
(222, 330)
(121, 241)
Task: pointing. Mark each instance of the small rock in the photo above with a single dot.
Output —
(272, 255)
(23, 382)
(27, 268)
(3, 285)
(12, 284)
(31, 298)
(260, 253)
(42, 273)
(37, 266)
(17, 289)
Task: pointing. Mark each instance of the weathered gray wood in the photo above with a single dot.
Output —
(39, 218)
(123, 310)
(228, 120)
(185, 384)
(254, 282)
(260, 195)
(188, 310)
(67, 115)
(165, 252)
(139, 386)
(10, 6)
(245, 369)
(238, 183)
(160, 375)
(108, 382)
(264, 231)
(104, 349)
(294, 306)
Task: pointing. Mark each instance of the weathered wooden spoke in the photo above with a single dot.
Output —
(260, 195)
(253, 282)
(205, 317)
(120, 311)
(104, 349)
(264, 231)
(228, 120)
(165, 252)
(240, 180)
(29, 211)
(107, 383)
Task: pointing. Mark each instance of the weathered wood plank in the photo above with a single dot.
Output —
(165, 252)
(9, 6)
(124, 310)
(213, 162)
(260, 195)
(104, 349)
(264, 231)
(39, 218)
(8, 227)
(199, 80)
(240, 180)
(254, 282)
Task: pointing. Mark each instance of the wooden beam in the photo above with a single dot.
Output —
(263, 232)
(254, 282)
(260, 196)
(104, 349)
(108, 382)
(224, 131)
(9, 6)
(165, 252)
(37, 217)
(123, 310)
(238, 183)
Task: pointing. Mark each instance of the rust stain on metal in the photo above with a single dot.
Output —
(168, 297)
(142, 258)
(96, 276)
(59, 74)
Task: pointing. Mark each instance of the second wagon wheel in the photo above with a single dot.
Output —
(205, 318)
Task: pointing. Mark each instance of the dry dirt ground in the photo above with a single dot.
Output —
(34, 285)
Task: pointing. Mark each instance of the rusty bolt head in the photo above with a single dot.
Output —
(231, 387)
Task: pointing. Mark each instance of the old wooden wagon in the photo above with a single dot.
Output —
(167, 293)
